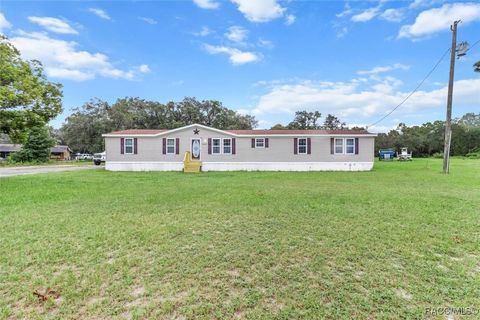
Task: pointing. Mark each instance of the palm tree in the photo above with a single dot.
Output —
(476, 66)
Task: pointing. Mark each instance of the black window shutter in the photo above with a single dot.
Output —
(209, 145)
(164, 145)
(253, 142)
(266, 142)
(233, 146)
(309, 145)
(356, 145)
(295, 144)
(134, 145)
(332, 145)
(122, 144)
(177, 145)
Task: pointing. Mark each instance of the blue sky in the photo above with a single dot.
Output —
(268, 58)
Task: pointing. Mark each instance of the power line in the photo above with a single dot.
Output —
(473, 45)
(414, 90)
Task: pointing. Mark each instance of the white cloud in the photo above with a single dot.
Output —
(381, 69)
(342, 32)
(440, 19)
(265, 43)
(4, 24)
(148, 20)
(63, 59)
(423, 3)
(237, 57)
(393, 15)
(290, 19)
(100, 13)
(144, 68)
(260, 10)
(207, 4)
(236, 34)
(346, 11)
(53, 25)
(366, 15)
(203, 33)
(350, 99)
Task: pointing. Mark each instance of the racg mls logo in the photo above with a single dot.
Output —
(450, 311)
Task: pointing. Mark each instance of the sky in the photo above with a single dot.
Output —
(269, 58)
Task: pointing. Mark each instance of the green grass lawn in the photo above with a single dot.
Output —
(6, 163)
(384, 244)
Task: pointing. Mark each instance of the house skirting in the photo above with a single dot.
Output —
(241, 166)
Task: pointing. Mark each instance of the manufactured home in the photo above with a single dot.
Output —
(226, 150)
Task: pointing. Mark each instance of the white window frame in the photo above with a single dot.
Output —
(346, 146)
(258, 140)
(223, 146)
(220, 146)
(174, 146)
(125, 146)
(335, 146)
(298, 146)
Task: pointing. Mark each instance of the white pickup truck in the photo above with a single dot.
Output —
(98, 158)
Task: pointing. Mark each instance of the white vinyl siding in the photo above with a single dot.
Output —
(170, 146)
(128, 145)
(302, 146)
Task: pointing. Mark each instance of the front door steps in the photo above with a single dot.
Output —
(189, 165)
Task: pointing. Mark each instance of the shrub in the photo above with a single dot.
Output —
(37, 147)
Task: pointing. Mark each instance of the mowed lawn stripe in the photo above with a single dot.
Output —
(221, 245)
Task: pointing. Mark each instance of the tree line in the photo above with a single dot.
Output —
(83, 129)
(428, 139)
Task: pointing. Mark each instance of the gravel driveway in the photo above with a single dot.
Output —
(16, 171)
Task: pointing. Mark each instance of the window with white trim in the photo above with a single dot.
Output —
(216, 146)
(170, 145)
(227, 146)
(128, 145)
(350, 146)
(259, 142)
(338, 145)
(302, 146)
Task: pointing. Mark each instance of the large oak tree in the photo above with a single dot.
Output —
(27, 98)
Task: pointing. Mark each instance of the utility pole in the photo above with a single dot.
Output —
(448, 122)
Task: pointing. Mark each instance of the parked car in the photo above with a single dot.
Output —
(98, 158)
(83, 156)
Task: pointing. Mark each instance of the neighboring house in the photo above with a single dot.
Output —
(60, 152)
(57, 152)
(7, 148)
(224, 150)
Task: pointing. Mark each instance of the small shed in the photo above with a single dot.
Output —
(7, 148)
(60, 152)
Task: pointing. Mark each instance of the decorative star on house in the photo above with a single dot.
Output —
(196, 131)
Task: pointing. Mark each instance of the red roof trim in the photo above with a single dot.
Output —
(249, 132)
(139, 131)
(289, 131)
